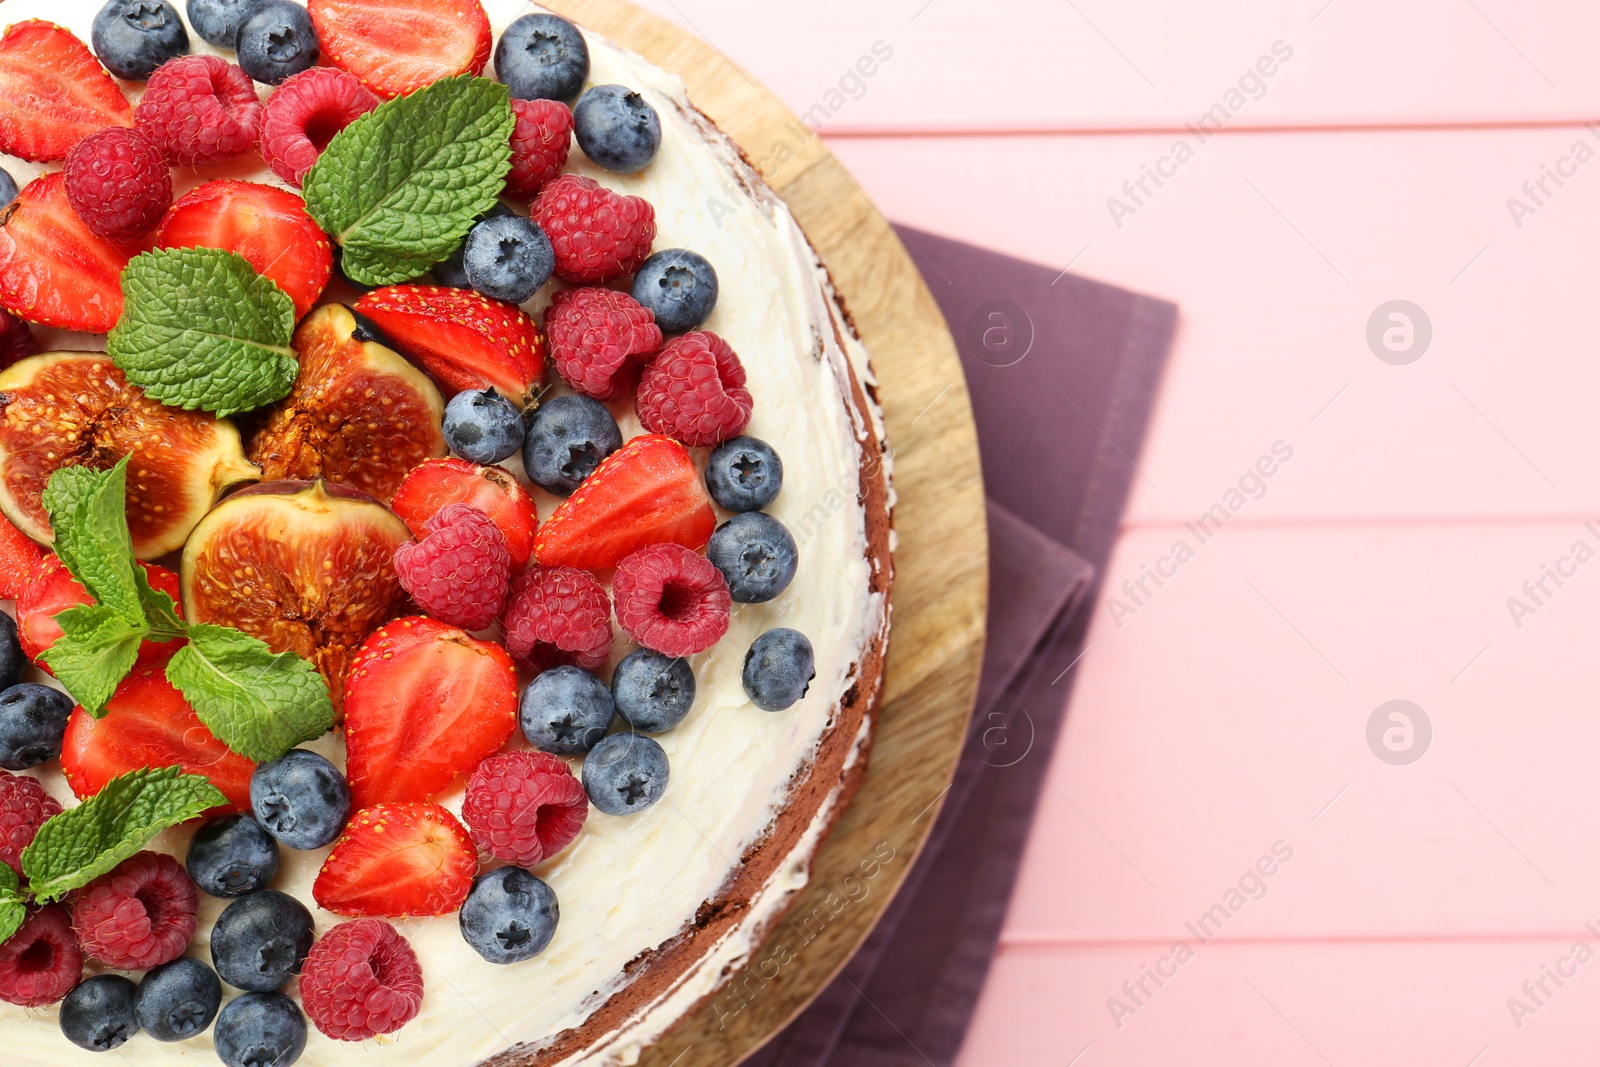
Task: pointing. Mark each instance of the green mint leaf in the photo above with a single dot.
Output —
(96, 650)
(201, 329)
(82, 843)
(88, 512)
(160, 613)
(13, 904)
(260, 703)
(400, 187)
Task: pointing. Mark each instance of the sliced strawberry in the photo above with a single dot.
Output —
(53, 92)
(53, 590)
(433, 483)
(53, 269)
(149, 724)
(424, 704)
(466, 341)
(398, 46)
(397, 860)
(265, 225)
(645, 493)
(19, 561)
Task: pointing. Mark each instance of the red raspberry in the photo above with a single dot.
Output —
(199, 109)
(671, 600)
(362, 979)
(16, 339)
(558, 615)
(41, 963)
(139, 916)
(539, 145)
(24, 806)
(524, 807)
(597, 234)
(694, 391)
(596, 338)
(118, 183)
(304, 113)
(461, 570)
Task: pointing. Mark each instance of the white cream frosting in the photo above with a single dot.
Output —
(628, 885)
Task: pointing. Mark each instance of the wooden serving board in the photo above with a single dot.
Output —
(941, 563)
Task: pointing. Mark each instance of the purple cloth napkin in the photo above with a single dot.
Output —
(1063, 373)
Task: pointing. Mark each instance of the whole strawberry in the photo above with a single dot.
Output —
(539, 145)
(597, 234)
(524, 807)
(460, 572)
(118, 183)
(600, 340)
(199, 109)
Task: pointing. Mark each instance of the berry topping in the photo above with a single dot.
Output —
(558, 615)
(12, 661)
(778, 669)
(19, 559)
(398, 46)
(267, 226)
(32, 721)
(600, 340)
(398, 859)
(524, 807)
(178, 1000)
(695, 391)
(424, 703)
(452, 270)
(301, 799)
(361, 980)
(616, 128)
(539, 145)
(199, 109)
(508, 258)
(671, 600)
(134, 37)
(483, 426)
(645, 493)
(54, 270)
(679, 287)
(597, 234)
(566, 439)
(460, 572)
(277, 41)
(24, 806)
(625, 774)
(542, 57)
(53, 92)
(140, 915)
(53, 589)
(118, 183)
(304, 114)
(218, 21)
(436, 483)
(653, 692)
(232, 856)
(260, 1029)
(16, 343)
(464, 340)
(509, 916)
(261, 940)
(566, 711)
(41, 962)
(744, 474)
(98, 1015)
(756, 554)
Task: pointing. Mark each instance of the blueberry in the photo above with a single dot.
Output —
(625, 773)
(232, 856)
(617, 129)
(509, 916)
(778, 669)
(134, 37)
(260, 1030)
(261, 940)
(566, 711)
(218, 21)
(98, 1014)
(482, 426)
(11, 658)
(32, 720)
(301, 799)
(567, 438)
(542, 57)
(508, 258)
(452, 272)
(653, 692)
(178, 1000)
(8, 188)
(744, 474)
(757, 554)
(276, 41)
(679, 287)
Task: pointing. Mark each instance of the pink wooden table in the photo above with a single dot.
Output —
(1443, 910)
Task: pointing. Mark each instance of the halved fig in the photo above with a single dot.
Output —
(75, 409)
(54, 590)
(307, 567)
(359, 414)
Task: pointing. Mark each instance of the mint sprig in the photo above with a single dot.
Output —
(201, 329)
(259, 702)
(96, 649)
(13, 904)
(400, 187)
